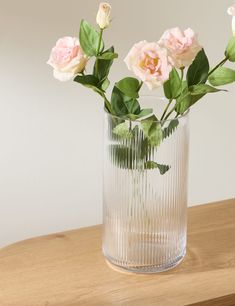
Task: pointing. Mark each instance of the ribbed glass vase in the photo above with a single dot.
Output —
(145, 191)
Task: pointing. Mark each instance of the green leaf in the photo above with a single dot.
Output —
(89, 39)
(144, 148)
(122, 156)
(117, 102)
(191, 95)
(222, 76)
(129, 86)
(122, 131)
(89, 81)
(167, 89)
(145, 112)
(133, 106)
(132, 117)
(153, 165)
(170, 129)
(122, 104)
(163, 168)
(104, 84)
(230, 50)
(128, 155)
(155, 135)
(195, 98)
(184, 101)
(102, 67)
(150, 165)
(108, 56)
(198, 70)
(152, 130)
(202, 89)
(173, 85)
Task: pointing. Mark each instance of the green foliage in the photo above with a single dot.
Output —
(124, 99)
(130, 151)
(122, 131)
(124, 156)
(184, 101)
(195, 98)
(102, 66)
(108, 56)
(170, 129)
(143, 113)
(173, 85)
(191, 95)
(202, 89)
(198, 70)
(195, 88)
(153, 165)
(104, 84)
(89, 81)
(89, 39)
(152, 130)
(222, 76)
(163, 168)
(230, 50)
(129, 87)
(133, 106)
(150, 165)
(123, 105)
(131, 158)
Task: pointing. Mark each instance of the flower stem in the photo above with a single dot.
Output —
(99, 42)
(98, 49)
(217, 66)
(107, 104)
(168, 115)
(106, 101)
(166, 109)
(170, 101)
(181, 79)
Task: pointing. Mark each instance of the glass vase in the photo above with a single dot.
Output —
(145, 191)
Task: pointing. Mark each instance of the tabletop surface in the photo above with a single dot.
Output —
(68, 269)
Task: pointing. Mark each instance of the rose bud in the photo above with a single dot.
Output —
(103, 15)
(231, 11)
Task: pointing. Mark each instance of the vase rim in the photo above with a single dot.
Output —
(161, 98)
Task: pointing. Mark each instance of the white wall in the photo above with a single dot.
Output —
(51, 132)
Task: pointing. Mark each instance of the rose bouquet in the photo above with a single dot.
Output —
(163, 63)
(144, 211)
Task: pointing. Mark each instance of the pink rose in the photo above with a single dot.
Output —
(150, 63)
(231, 11)
(67, 58)
(183, 46)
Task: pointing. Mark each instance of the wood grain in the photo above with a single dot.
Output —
(68, 269)
(228, 300)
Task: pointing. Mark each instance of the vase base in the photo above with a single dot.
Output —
(144, 269)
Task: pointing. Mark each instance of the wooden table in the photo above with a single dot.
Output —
(68, 269)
